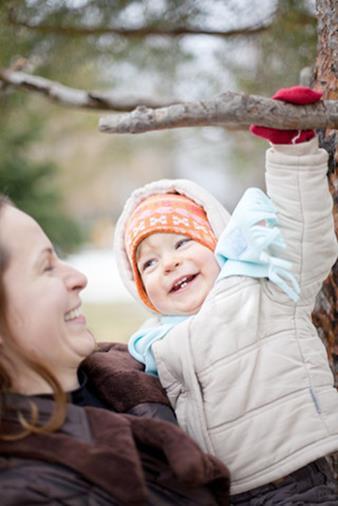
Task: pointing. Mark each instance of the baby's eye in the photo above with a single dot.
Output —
(146, 265)
(181, 242)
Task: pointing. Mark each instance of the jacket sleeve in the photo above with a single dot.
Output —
(154, 410)
(297, 185)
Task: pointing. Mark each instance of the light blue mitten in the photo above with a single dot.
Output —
(251, 243)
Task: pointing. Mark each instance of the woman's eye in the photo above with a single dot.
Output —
(48, 267)
(181, 242)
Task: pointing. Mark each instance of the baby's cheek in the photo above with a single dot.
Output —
(215, 270)
(151, 288)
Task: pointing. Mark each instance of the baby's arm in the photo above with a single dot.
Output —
(297, 184)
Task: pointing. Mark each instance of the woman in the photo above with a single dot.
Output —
(65, 437)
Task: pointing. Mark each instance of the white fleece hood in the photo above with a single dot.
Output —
(217, 215)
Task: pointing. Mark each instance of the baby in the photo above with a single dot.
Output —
(232, 339)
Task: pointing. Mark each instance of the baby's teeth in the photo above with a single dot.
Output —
(182, 282)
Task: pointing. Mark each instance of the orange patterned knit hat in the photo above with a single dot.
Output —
(166, 213)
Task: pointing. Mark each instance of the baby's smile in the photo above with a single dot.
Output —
(182, 282)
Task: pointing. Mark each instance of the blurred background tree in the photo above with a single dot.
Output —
(33, 185)
(126, 46)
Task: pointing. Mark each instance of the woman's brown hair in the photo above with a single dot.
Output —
(8, 344)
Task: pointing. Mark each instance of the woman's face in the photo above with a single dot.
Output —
(43, 298)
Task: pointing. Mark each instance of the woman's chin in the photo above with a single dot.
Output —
(84, 345)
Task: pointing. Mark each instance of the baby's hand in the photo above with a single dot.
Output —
(298, 95)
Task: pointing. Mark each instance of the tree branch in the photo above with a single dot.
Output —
(73, 97)
(231, 110)
(80, 31)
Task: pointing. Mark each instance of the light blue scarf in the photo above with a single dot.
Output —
(250, 245)
(140, 343)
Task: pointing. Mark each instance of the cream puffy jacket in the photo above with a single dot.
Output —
(248, 375)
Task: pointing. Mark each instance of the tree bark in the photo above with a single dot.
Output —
(231, 110)
(325, 315)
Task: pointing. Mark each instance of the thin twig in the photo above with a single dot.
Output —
(73, 97)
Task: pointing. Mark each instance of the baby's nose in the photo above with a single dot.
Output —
(171, 264)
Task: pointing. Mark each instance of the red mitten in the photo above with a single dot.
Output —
(299, 95)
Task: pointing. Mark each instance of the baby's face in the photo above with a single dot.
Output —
(177, 272)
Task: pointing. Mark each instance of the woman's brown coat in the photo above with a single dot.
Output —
(102, 458)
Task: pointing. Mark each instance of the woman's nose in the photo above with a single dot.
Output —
(75, 279)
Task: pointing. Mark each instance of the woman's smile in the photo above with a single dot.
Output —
(75, 316)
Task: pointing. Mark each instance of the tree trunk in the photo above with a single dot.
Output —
(325, 315)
